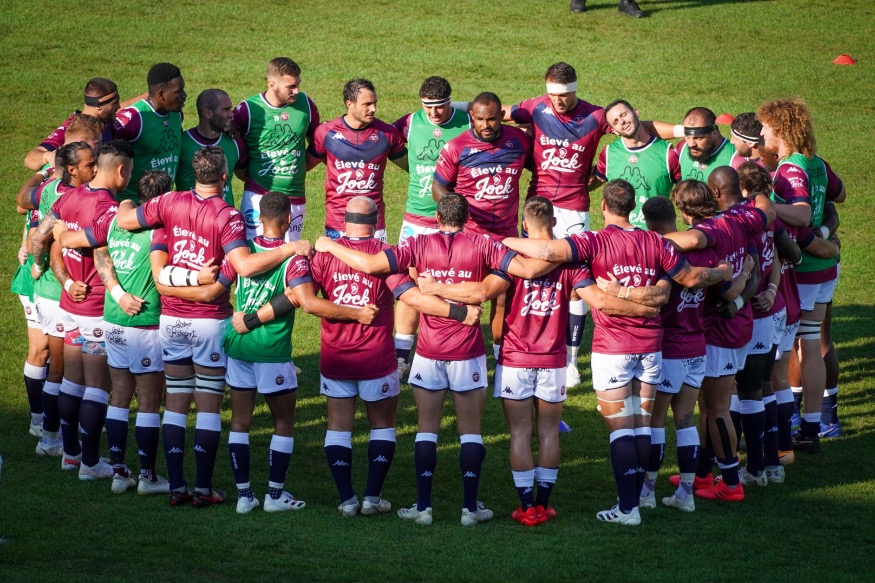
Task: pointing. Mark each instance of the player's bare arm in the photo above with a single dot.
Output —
(401, 162)
(787, 248)
(24, 198)
(823, 248)
(128, 302)
(765, 204)
(40, 242)
(651, 295)
(690, 276)
(764, 301)
(614, 306)
(313, 161)
(553, 250)
(127, 216)
(438, 190)
(739, 282)
(370, 264)
(830, 219)
(248, 264)
(434, 306)
(468, 292)
(304, 296)
(728, 309)
(797, 214)
(688, 240)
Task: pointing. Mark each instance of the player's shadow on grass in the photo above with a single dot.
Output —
(651, 7)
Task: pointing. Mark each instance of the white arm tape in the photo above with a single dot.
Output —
(117, 292)
(824, 231)
(678, 131)
(177, 276)
(739, 301)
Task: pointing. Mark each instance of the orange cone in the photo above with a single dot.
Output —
(844, 60)
(725, 119)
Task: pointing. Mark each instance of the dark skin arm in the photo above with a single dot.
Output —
(787, 248)
(729, 309)
(23, 198)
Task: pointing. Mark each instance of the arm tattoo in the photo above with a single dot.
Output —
(56, 263)
(105, 268)
(42, 239)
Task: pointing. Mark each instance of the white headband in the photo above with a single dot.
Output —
(556, 88)
(435, 102)
(748, 139)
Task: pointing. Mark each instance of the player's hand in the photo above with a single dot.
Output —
(323, 244)
(726, 309)
(726, 268)
(78, 291)
(763, 302)
(49, 158)
(367, 314)
(208, 273)
(35, 272)
(609, 286)
(836, 241)
(749, 265)
(651, 311)
(22, 254)
(427, 284)
(473, 317)
(131, 304)
(237, 322)
(59, 228)
(303, 248)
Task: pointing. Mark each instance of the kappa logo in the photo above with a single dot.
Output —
(199, 449)
(115, 448)
(634, 177)
(380, 459)
(169, 141)
(667, 383)
(469, 474)
(324, 387)
(340, 463)
(165, 353)
(418, 377)
(507, 391)
(214, 357)
(729, 366)
(280, 379)
(759, 346)
(475, 377)
(146, 361)
(175, 450)
(426, 474)
(141, 452)
(613, 380)
(385, 388)
(281, 136)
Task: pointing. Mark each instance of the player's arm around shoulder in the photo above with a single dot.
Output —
(364, 262)
(468, 292)
(614, 306)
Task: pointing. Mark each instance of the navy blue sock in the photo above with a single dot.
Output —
(642, 449)
(68, 413)
(574, 329)
(339, 460)
(770, 437)
(117, 434)
(147, 430)
(785, 437)
(173, 432)
(707, 457)
(279, 459)
(546, 480)
(687, 458)
(624, 462)
(754, 424)
(34, 389)
(207, 432)
(829, 410)
(471, 455)
(380, 455)
(92, 415)
(51, 420)
(239, 452)
(425, 458)
(729, 470)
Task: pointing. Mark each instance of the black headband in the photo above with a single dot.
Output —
(92, 101)
(698, 131)
(361, 218)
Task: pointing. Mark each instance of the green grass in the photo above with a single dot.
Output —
(726, 55)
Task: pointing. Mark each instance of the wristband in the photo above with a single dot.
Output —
(458, 313)
(38, 268)
(281, 305)
(628, 292)
(117, 292)
(739, 301)
(45, 173)
(774, 293)
(772, 286)
(67, 285)
(251, 321)
(678, 131)
(824, 231)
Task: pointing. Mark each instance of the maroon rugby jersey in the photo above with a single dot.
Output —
(56, 139)
(450, 258)
(791, 184)
(537, 315)
(350, 350)
(765, 246)
(564, 149)
(90, 210)
(197, 230)
(683, 326)
(638, 259)
(788, 286)
(487, 174)
(731, 234)
(356, 161)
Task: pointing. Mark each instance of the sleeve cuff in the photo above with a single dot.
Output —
(233, 245)
(508, 257)
(393, 260)
(399, 291)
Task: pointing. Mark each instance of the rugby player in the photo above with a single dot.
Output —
(703, 148)
(626, 351)
(803, 183)
(748, 141)
(101, 102)
(153, 126)
(426, 132)
(215, 114)
(276, 126)
(531, 365)
(199, 227)
(639, 157)
(355, 148)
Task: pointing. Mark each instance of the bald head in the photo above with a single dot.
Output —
(361, 217)
(723, 182)
(361, 204)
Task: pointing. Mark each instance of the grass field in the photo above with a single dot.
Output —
(726, 55)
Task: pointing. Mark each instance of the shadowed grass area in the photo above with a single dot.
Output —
(725, 55)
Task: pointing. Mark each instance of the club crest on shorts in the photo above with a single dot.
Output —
(59, 327)
(146, 361)
(475, 377)
(214, 357)
(28, 311)
(385, 388)
(562, 390)
(280, 379)
(98, 333)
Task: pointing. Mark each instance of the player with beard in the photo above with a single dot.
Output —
(101, 102)
(531, 365)
(200, 228)
(153, 126)
(803, 183)
(355, 148)
(426, 132)
(276, 126)
(215, 118)
(626, 351)
(639, 157)
(484, 165)
(703, 148)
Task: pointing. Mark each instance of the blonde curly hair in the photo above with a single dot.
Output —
(790, 119)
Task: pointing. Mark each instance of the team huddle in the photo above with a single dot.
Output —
(134, 239)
